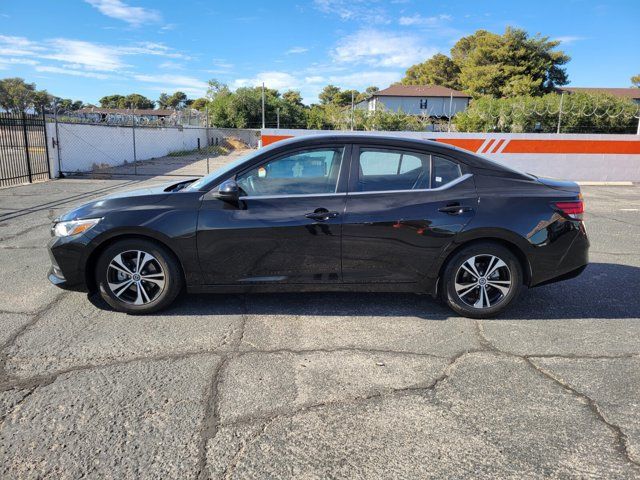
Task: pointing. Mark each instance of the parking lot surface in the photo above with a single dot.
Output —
(318, 385)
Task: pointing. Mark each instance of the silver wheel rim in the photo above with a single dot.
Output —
(483, 281)
(135, 277)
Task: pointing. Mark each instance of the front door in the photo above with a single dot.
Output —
(403, 208)
(287, 225)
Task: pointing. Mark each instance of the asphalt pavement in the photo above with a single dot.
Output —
(318, 385)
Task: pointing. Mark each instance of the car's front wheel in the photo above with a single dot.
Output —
(138, 276)
(481, 280)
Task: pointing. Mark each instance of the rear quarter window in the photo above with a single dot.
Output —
(443, 171)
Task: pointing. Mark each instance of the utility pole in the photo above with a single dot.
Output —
(263, 105)
(450, 109)
(278, 117)
(560, 112)
(352, 110)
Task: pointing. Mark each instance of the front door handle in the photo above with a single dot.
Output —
(455, 209)
(321, 215)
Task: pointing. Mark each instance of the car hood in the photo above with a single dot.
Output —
(120, 200)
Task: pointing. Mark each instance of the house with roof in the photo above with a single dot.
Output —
(425, 100)
(630, 93)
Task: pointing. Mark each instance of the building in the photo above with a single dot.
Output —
(427, 100)
(116, 115)
(630, 93)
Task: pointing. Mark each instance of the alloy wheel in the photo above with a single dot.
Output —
(136, 277)
(483, 281)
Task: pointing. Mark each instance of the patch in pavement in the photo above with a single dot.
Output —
(492, 417)
(402, 323)
(23, 280)
(613, 384)
(262, 384)
(140, 419)
(75, 333)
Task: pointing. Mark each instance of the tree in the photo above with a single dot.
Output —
(16, 95)
(135, 100)
(293, 97)
(371, 90)
(635, 80)
(112, 101)
(163, 101)
(177, 100)
(438, 70)
(199, 104)
(485, 63)
(327, 94)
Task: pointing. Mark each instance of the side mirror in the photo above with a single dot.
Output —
(229, 190)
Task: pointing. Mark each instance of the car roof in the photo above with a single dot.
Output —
(434, 146)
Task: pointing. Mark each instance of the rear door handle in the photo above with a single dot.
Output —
(322, 216)
(455, 209)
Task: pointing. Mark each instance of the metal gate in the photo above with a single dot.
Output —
(24, 153)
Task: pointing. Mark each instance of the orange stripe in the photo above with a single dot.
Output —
(489, 143)
(471, 144)
(268, 139)
(500, 142)
(573, 146)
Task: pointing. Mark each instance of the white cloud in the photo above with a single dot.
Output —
(381, 49)
(368, 11)
(168, 83)
(277, 80)
(221, 64)
(121, 11)
(17, 46)
(89, 55)
(70, 71)
(568, 39)
(17, 61)
(419, 20)
(295, 50)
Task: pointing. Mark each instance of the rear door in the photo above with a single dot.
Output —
(403, 207)
(286, 227)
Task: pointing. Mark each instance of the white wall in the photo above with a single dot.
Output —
(84, 147)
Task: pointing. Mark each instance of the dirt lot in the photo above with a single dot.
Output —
(318, 385)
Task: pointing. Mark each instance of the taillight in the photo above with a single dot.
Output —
(571, 209)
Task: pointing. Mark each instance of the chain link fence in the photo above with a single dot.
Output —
(90, 148)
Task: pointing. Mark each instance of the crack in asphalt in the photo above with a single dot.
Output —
(622, 440)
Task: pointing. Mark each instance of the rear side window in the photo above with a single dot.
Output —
(383, 170)
(443, 171)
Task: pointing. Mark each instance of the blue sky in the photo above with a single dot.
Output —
(85, 49)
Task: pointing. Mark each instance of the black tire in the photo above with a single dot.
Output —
(160, 266)
(469, 300)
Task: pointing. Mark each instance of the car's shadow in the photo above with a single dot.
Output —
(604, 290)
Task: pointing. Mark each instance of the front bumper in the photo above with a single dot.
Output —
(68, 261)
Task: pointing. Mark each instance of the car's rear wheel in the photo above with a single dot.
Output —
(481, 280)
(138, 276)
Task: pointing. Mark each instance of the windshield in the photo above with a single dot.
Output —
(198, 184)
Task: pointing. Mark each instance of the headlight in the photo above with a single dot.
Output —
(74, 227)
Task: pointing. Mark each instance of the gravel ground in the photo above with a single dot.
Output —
(318, 385)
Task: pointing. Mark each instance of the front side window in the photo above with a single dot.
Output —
(383, 170)
(302, 173)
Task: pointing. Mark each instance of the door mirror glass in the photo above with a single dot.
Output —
(229, 190)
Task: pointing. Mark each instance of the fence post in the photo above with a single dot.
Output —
(133, 129)
(57, 145)
(560, 112)
(450, 108)
(638, 132)
(26, 146)
(46, 142)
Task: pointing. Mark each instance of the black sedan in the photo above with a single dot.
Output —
(325, 213)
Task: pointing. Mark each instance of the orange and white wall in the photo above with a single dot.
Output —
(580, 157)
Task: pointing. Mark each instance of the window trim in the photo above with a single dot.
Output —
(341, 181)
(355, 171)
